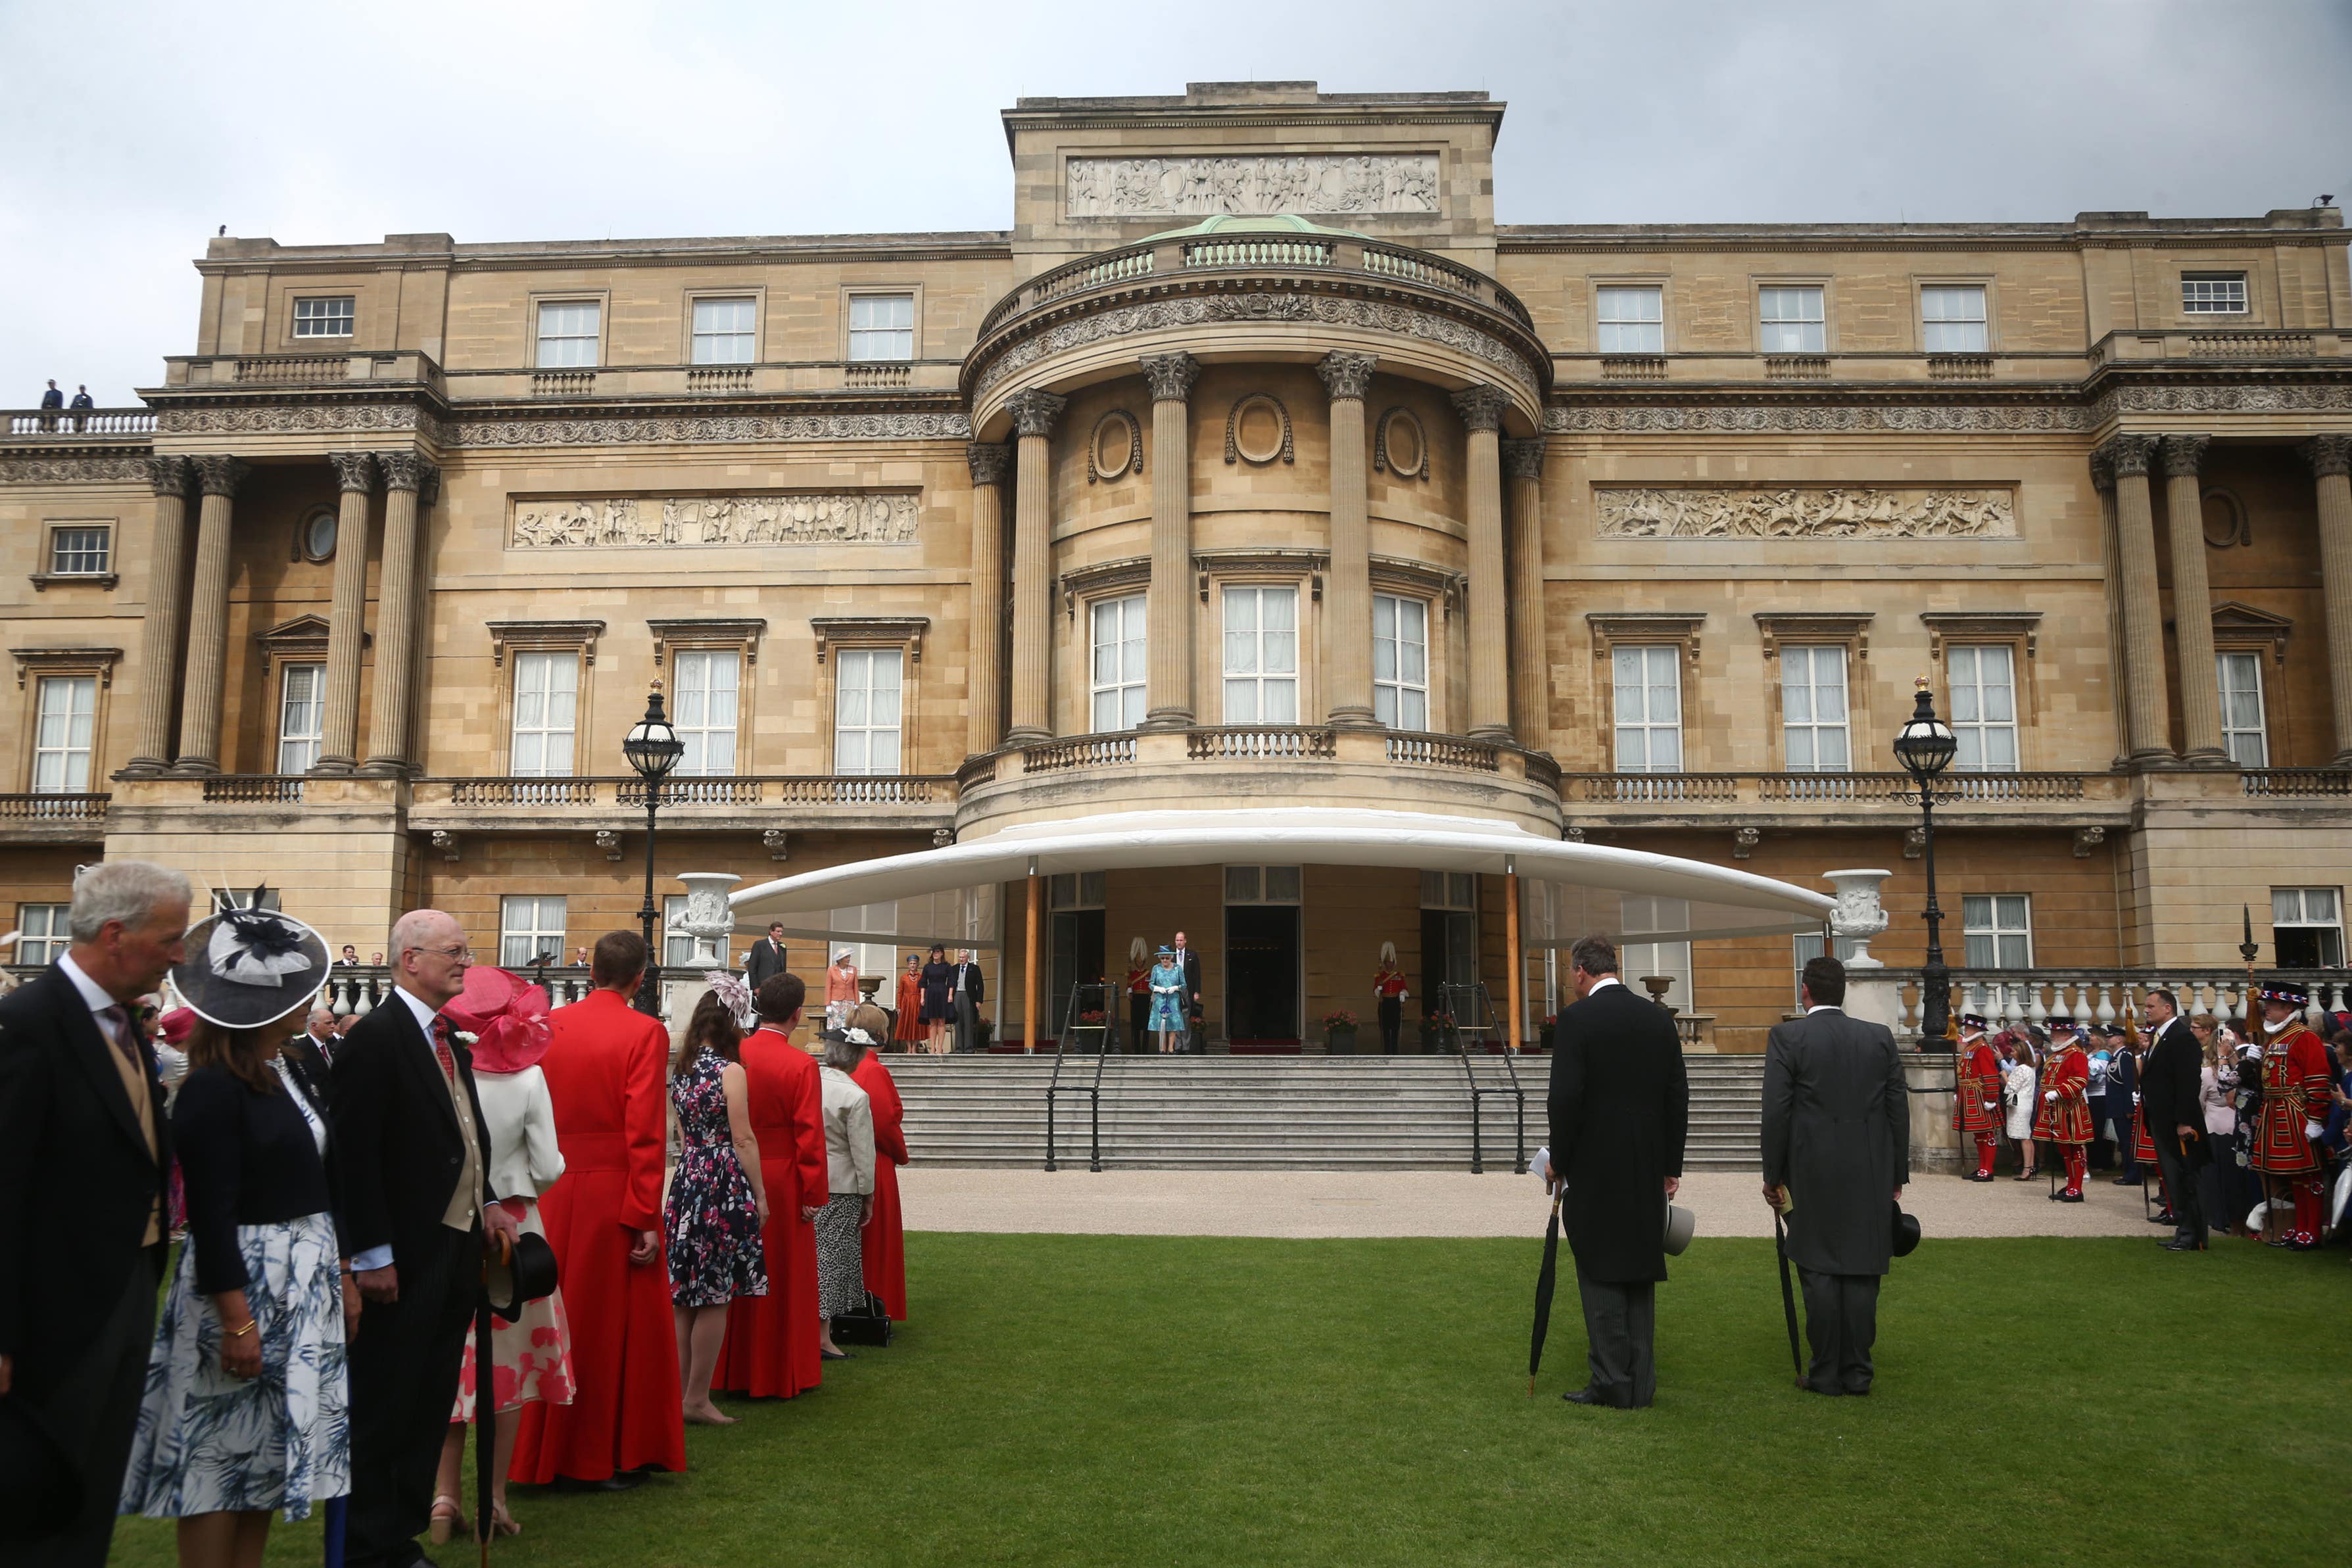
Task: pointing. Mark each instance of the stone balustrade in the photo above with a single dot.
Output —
(80, 422)
(2031, 997)
(2080, 800)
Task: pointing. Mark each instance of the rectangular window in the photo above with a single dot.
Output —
(530, 926)
(78, 551)
(1984, 709)
(1261, 885)
(1672, 959)
(67, 713)
(1649, 709)
(2307, 928)
(1118, 680)
(301, 717)
(1400, 661)
(1078, 889)
(1632, 320)
(546, 714)
(882, 326)
(1952, 319)
(1792, 322)
(678, 947)
(706, 686)
(567, 332)
(2213, 293)
(44, 938)
(330, 318)
(2243, 731)
(868, 692)
(1807, 946)
(1814, 710)
(724, 332)
(1999, 929)
(1449, 890)
(1261, 655)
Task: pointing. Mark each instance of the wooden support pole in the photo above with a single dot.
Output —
(1518, 958)
(1029, 968)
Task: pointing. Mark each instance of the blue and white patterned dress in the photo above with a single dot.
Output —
(208, 1442)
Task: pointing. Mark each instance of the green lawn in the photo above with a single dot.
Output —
(1090, 1400)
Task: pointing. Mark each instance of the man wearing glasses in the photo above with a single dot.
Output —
(413, 1155)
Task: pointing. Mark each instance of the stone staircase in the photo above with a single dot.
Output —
(1274, 1113)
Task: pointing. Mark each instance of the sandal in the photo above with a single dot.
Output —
(448, 1518)
(501, 1521)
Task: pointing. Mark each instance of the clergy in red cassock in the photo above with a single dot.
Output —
(884, 1239)
(771, 1351)
(605, 1076)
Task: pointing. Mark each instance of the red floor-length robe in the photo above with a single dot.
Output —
(771, 1349)
(604, 1076)
(886, 1239)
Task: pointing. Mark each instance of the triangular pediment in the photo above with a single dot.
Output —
(302, 629)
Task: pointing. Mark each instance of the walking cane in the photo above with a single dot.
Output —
(486, 1419)
(1787, 1296)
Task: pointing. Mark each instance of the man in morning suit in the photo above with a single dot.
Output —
(968, 992)
(1837, 1138)
(766, 958)
(416, 1210)
(84, 1149)
(1190, 962)
(2175, 1113)
(1619, 1115)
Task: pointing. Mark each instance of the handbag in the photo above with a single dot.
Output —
(870, 1324)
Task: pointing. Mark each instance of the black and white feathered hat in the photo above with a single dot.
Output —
(246, 967)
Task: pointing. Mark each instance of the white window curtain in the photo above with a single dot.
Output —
(882, 326)
(1952, 319)
(301, 717)
(1401, 661)
(43, 936)
(567, 332)
(62, 735)
(2243, 730)
(1644, 912)
(707, 681)
(867, 692)
(1632, 320)
(724, 332)
(528, 924)
(1119, 669)
(1999, 930)
(1814, 710)
(1984, 709)
(546, 713)
(1792, 322)
(1261, 655)
(1649, 709)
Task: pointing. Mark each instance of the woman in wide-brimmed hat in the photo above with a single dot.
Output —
(1168, 1002)
(247, 1400)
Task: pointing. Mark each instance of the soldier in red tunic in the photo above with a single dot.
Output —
(1975, 1105)
(2295, 1093)
(2065, 1118)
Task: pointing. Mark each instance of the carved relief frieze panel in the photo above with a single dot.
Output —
(1251, 183)
(672, 522)
(1787, 512)
(729, 428)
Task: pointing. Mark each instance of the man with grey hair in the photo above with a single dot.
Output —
(84, 1149)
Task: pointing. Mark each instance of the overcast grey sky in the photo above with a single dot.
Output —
(133, 130)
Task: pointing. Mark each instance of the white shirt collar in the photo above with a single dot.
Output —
(1823, 1008)
(425, 1015)
(91, 992)
(1603, 980)
(2269, 1028)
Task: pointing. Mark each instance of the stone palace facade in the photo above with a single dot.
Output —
(1255, 462)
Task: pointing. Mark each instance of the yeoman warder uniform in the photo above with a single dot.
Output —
(1976, 1108)
(2065, 1118)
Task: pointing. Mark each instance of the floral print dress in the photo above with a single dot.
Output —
(712, 1219)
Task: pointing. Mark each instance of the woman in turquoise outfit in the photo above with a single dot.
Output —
(1168, 1001)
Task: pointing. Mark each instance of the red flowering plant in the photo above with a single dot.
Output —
(1343, 1018)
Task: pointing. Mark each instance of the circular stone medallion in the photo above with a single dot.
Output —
(1260, 429)
(1117, 448)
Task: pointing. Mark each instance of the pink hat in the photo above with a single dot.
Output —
(176, 1026)
(506, 1015)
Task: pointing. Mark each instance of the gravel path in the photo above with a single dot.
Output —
(1433, 1202)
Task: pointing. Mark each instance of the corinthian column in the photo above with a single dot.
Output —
(167, 609)
(1348, 613)
(2192, 605)
(1530, 692)
(389, 746)
(1168, 618)
(347, 619)
(2144, 704)
(1490, 669)
(2330, 458)
(200, 712)
(1033, 413)
(984, 691)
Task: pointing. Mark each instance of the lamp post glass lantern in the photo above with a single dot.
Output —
(1924, 746)
(653, 748)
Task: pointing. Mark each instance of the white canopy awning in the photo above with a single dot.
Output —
(1631, 895)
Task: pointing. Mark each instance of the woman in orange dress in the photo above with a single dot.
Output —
(908, 1030)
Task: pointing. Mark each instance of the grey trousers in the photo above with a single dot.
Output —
(1841, 1324)
(967, 1022)
(94, 1412)
(1621, 1330)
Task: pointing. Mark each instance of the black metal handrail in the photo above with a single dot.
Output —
(1455, 1000)
(1092, 1091)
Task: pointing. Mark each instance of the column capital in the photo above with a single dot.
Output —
(411, 471)
(1344, 374)
(2182, 453)
(1171, 376)
(2127, 454)
(1482, 406)
(2102, 471)
(168, 476)
(987, 460)
(354, 471)
(1524, 459)
(2330, 456)
(220, 475)
(1034, 411)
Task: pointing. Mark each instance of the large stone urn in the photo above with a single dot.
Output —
(708, 919)
(1859, 915)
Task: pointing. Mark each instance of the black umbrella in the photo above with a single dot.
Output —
(1787, 1294)
(1546, 1281)
(486, 1420)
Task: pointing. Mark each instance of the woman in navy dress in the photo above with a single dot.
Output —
(938, 980)
(716, 1200)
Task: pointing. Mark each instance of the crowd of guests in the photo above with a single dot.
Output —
(345, 1201)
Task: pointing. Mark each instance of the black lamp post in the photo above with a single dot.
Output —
(653, 748)
(1924, 746)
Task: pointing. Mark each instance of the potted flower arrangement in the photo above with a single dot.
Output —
(1339, 1032)
(1544, 1027)
(1439, 1031)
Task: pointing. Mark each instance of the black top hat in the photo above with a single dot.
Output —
(40, 1490)
(246, 967)
(1905, 1238)
(2060, 1021)
(2287, 991)
(1975, 1021)
(527, 1275)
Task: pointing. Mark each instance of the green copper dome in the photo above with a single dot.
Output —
(1253, 223)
